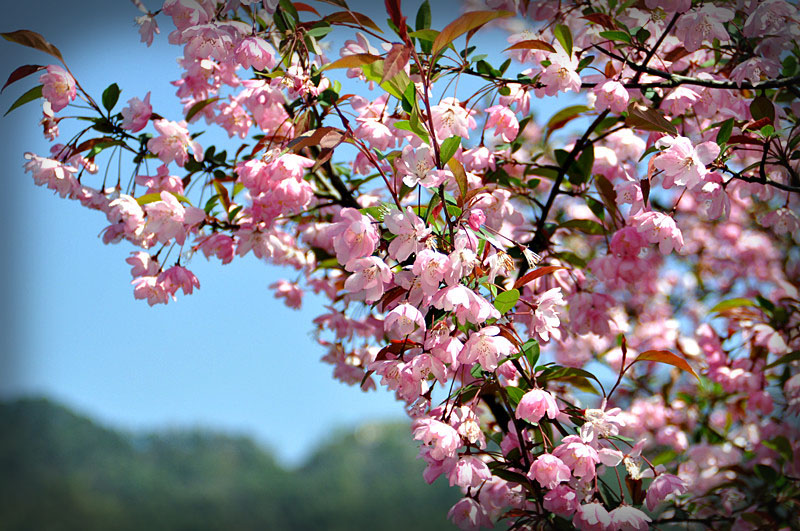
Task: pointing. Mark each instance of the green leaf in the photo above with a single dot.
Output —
(586, 226)
(463, 24)
(423, 16)
(395, 86)
(111, 96)
(781, 445)
(515, 394)
(616, 36)
(725, 131)
(761, 107)
(564, 36)
(319, 30)
(152, 198)
(531, 351)
(730, 304)
(427, 35)
(449, 148)
(506, 300)
(786, 358)
(32, 94)
(352, 61)
(199, 106)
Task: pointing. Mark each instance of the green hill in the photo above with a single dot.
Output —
(62, 472)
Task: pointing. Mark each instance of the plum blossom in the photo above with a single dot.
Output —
(58, 87)
(535, 404)
(136, 114)
(174, 143)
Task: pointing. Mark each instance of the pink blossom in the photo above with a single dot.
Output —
(129, 213)
(149, 288)
(410, 231)
(476, 218)
(469, 471)
(669, 6)
(178, 277)
(148, 27)
(701, 25)
(442, 438)
(771, 17)
(370, 275)
(715, 199)
(451, 119)
(486, 346)
(142, 264)
(290, 292)
(136, 114)
(754, 69)
(590, 312)
(549, 471)
(663, 487)
(562, 73)
(416, 165)
(782, 221)
(629, 191)
(55, 175)
(168, 219)
(592, 517)
(504, 122)
(535, 404)
(611, 95)
(58, 87)
(353, 236)
(543, 320)
(659, 228)
(174, 143)
(580, 457)
(255, 52)
(682, 163)
(430, 266)
(561, 500)
(627, 518)
(403, 320)
(467, 305)
(679, 100)
(468, 514)
(219, 245)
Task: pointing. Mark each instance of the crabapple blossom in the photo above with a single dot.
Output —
(136, 114)
(663, 486)
(486, 347)
(353, 236)
(174, 143)
(611, 95)
(370, 275)
(403, 320)
(561, 75)
(58, 87)
(561, 500)
(549, 471)
(290, 292)
(469, 471)
(682, 163)
(535, 404)
(592, 517)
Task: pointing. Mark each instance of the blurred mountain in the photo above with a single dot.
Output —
(61, 471)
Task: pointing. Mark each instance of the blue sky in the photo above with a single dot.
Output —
(229, 357)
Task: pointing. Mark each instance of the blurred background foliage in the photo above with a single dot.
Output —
(63, 471)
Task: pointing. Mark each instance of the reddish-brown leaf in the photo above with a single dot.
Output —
(33, 40)
(21, 72)
(665, 356)
(530, 276)
(300, 6)
(744, 139)
(531, 44)
(675, 54)
(602, 19)
(352, 17)
(397, 18)
(395, 62)
(758, 124)
(649, 119)
(463, 24)
(314, 138)
(610, 71)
